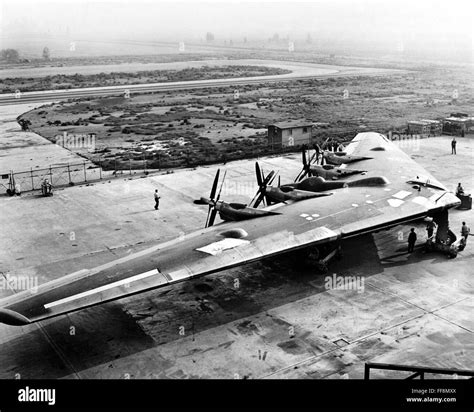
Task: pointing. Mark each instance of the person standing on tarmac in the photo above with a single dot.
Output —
(430, 227)
(157, 200)
(465, 230)
(411, 240)
(453, 146)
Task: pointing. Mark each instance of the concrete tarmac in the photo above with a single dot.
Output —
(272, 319)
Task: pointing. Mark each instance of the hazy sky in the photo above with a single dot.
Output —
(412, 23)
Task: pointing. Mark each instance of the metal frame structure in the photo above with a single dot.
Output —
(419, 371)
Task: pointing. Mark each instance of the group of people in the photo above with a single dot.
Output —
(430, 228)
(431, 224)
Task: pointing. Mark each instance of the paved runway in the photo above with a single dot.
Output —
(299, 71)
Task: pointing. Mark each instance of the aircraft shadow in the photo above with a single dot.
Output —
(99, 335)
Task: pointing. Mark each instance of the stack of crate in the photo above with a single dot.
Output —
(436, 127)
(418, 127)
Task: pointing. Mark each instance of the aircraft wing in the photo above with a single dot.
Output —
(387, 160)
(348, 212)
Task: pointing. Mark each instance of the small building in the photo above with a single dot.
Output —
(291, 133)
(418, 127)
(436, 127)
(458, 125)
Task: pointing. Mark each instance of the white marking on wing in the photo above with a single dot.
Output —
(102, 288)
(216, 248)
(402, 194)
(395, 202)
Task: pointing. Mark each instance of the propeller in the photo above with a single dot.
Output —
(262, 181)
(212, 200)
(203, 200)
(212, 212)
(306, 170)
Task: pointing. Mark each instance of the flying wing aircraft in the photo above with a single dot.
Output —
(349, 211)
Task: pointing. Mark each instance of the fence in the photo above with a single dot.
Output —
(417, 371)
(61, 175)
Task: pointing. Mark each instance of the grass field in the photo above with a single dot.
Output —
(188, 128)
(71, 81)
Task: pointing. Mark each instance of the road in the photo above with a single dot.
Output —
(300, 71)
(48, 95)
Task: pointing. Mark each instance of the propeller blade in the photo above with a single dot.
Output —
(258, 173)
(317, 152)
(298, 178)
(256, 194)
(214, 185)
(272, 179)
(262, 174)
(303, 153)
(259, 199)
(208, 214)
(263, 182)
(279, 183)
(303, 174)
(212, 218)
(222, 184)
(268, 178)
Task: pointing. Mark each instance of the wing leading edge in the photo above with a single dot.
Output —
(158, 267)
